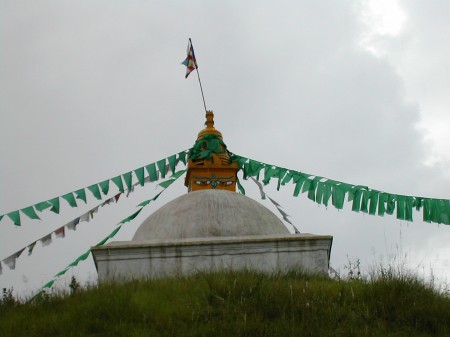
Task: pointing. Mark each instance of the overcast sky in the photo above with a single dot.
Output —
(355, 91)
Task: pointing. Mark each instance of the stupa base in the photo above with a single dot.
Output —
(125, 260)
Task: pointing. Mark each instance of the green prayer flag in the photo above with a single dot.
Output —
(62, 272)
(1, 217)
(281, 173)
(42, 206)
(245, 171)
(373, 202)
(48, 284)
(437, 211)
(390, 203)
(104, 186)
(119, 183)
(172, 162)
(338, 196)
(162, 167)
(327, 193)
(146, 202)
(299, 180)
(128, 178)
(269, 172)
(101, 243)
(74, 263)
(426, 210)
(84, 256)
(214, 145)
(30, 212)
(446, 212)
(131, 217)
(258, 171)
(312, 190)
(400, 207)
(140, 175)
(114, 232)
(382, 203)
(152, 173)
(80, 258)
(240, 187)
(442, 211)
(365, 201)
(320, 192)
(435, 214)
(418, 203)
(409, 204)
(55, 205)
(241, 161)
(15, 217)
(170, 181)
(178, 174)
(350, 195)
(182, 157)
(306, 185)
(253, 168)
(70, 199)
(111, 235)
(81, 194)
(157, 196)
(95, 191)
(166, 183)
(287, 178)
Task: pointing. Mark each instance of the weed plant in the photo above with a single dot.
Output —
(237, 303)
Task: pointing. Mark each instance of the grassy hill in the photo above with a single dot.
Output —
(237, 304)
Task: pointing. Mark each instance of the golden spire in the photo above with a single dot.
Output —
(210, 129)
(210, 165)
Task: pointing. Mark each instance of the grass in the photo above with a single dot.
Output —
(243, 303)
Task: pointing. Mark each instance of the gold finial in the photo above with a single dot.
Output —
(209, 119)
(209, 130)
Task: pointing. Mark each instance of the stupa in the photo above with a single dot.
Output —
(211, 228)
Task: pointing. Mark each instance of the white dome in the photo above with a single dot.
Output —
(209, 213)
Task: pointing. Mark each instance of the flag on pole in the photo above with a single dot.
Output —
(190, 62)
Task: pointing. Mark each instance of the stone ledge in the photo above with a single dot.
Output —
(128, 259)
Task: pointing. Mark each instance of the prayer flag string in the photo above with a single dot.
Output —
(324, 191)
(165, 184)
(155, 171)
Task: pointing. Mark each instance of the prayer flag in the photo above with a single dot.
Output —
(60, 232)
(31, 247)
(10, 261)
(73, 224)
(85, 217)
(190, 62)
(46, 240)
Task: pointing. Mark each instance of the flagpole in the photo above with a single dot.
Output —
(198, 75)
(201, 89)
